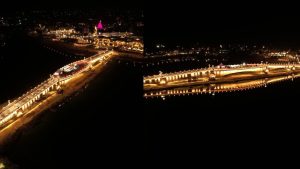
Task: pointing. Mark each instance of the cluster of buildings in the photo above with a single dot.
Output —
(124, 41)
(224, 51)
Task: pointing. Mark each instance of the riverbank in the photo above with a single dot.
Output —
(83, 51)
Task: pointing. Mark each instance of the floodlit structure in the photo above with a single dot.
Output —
(23, 104)
(100, 26)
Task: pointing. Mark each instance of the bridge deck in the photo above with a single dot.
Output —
(16, 105)
(224, 69)
(11, 109)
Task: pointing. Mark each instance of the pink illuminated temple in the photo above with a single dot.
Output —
(100, 26)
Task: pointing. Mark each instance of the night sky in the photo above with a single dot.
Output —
(12, 6)
(223, 22)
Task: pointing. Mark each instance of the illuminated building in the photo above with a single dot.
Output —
(100, 26)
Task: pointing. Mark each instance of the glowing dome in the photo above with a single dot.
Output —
(100, 26)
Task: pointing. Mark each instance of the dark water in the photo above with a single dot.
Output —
(248, 127)
(24, 63)
(95, 127)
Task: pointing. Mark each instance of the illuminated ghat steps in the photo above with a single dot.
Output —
(18, 106)
(212, 73)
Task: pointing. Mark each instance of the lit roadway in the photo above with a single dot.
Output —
(218, 79)
(31, 100)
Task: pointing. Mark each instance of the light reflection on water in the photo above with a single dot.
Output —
(214, 88)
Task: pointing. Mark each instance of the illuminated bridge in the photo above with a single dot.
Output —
(212, 74)
(213, 88)
(19, 106)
